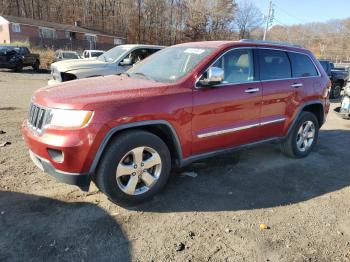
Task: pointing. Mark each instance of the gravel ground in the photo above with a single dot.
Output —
(214, 216)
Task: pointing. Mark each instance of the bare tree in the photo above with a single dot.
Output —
(248, 18)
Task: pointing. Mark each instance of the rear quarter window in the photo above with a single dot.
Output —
(302, 66)
(274, 64)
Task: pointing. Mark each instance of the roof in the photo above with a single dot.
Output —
(130, 46)
(209, 44)
(244, 42)
(57, 26)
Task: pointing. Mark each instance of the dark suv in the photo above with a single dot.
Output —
(183, 104)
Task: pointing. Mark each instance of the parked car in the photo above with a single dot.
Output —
(92, 53)
(61, 55)
(338, 77)
(115, 61)
(185, 103)
(344, 109)
(17, 57)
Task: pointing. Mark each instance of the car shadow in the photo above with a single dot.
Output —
(261, 178)
(36, 228)
(27, 71)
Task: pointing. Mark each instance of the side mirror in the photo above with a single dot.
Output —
(126, 62)
(215, 75)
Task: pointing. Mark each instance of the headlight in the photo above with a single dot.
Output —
(63, 118)
(55, 74)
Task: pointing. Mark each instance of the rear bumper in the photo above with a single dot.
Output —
(81, 180)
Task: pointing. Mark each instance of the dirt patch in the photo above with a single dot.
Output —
(8, 108)
(213, 216)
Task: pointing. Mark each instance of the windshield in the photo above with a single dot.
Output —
(67, 55)
(170, 64)
(114, 54)
(96, 54)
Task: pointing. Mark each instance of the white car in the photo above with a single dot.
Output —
(115, 61)
(92, 53)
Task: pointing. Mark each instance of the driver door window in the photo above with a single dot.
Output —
(237, 65)
(140, 54)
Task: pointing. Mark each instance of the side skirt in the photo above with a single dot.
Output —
(187, 161)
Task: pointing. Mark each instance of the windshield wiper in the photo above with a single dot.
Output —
(143, 75)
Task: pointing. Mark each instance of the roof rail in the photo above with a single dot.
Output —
(269, 42)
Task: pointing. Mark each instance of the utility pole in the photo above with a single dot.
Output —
(139, 29)
(269, 19)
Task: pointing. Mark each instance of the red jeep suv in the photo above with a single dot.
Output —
(183, 104)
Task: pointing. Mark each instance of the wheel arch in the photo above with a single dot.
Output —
(315, 107)
(341, 82)
(317, 110)
(161, 128)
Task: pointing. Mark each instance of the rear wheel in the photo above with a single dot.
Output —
(336, 91)
(303, 137)
(134, 167)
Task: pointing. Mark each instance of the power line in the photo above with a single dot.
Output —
(289, 14)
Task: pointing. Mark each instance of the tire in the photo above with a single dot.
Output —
(120, 155)
(19, 66)
(36, 66)
(336, 91)
(291, 147)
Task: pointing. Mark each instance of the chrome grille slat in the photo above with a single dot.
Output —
(36, 117)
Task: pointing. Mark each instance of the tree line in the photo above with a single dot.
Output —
(168, 22)
(163, 22)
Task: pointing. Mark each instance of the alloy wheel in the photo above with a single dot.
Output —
(305, 136)
(138, 170)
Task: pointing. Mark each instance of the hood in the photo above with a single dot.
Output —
(68, 65)
(91, 93)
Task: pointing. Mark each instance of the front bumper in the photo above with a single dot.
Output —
(66, 155)
(79, 179)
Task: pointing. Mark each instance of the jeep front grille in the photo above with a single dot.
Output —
(37, 117)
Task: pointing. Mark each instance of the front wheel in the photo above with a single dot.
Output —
(36, 66)
(134, 167)
(303, 137)
(19, 66)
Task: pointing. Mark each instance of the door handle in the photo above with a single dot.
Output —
(297, 85)
(252, 90)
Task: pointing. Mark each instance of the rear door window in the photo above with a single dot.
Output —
(274, 65)
(302, 66)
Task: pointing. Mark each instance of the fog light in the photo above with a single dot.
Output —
(56, 155)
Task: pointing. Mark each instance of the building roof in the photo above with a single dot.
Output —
(57, 26)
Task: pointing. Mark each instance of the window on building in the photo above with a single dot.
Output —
(47, 33)
(90, 38)
(117, 41)
(16, 28)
